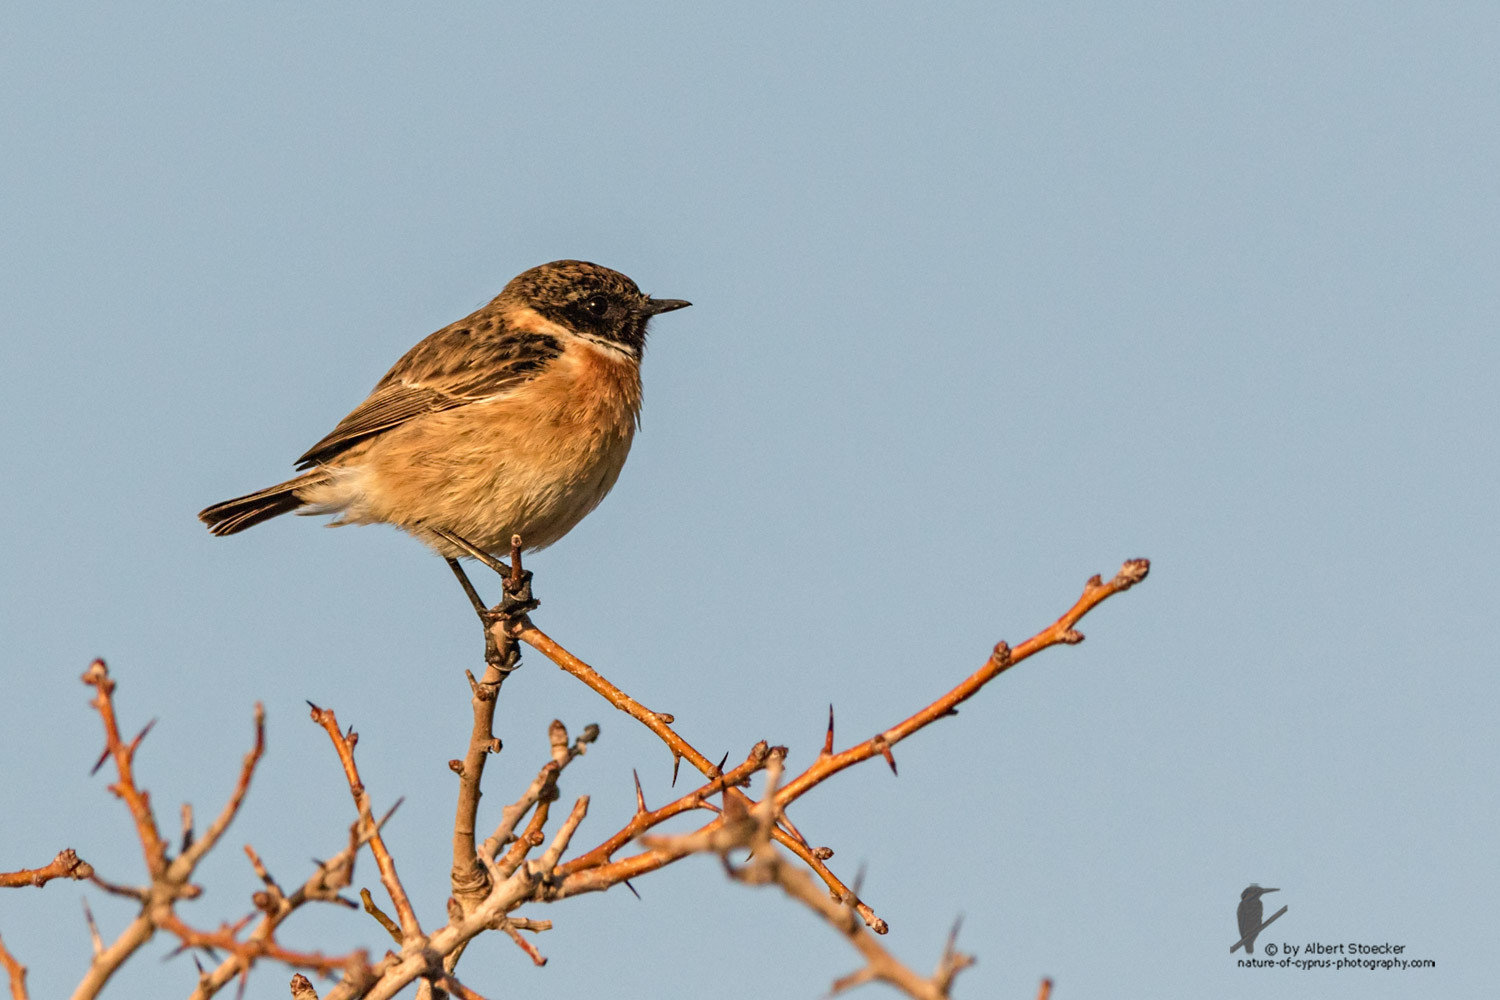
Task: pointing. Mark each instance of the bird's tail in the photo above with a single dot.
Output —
(240, 513)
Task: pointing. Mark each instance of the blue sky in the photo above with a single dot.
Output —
(987, 299)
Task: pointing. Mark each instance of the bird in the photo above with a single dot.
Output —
(1251, 909)
(513, 421)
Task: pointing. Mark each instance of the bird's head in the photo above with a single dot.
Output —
(590, 300)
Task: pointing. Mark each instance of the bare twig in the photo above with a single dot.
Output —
(15, 972)
(196, 849)
(380, 918)
(543, 786)
(323, 885)
(139, 802)
(564, 835)
(660, 724)
(67, 864)
(514, 933)
(470, 882)
(769, 868)
(170, 878)
(644, 820)
(493, 879)
(1002, 659)
(344, 745)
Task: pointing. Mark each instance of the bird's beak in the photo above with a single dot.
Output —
(1264, 891)
(655, 306)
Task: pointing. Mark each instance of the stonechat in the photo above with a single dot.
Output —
(515, 420)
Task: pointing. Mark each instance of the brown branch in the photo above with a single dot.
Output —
(170, 878)
(16, 972)
(386, 923)
(563, 837)
(660, 724)
(537, 958)
(248, 950)
(489, 880)
(468, 876)
(1059, 632)
(543, 786)
(322, 886)
(644, 819)
(194, 850)
(769, 868)
(67, 864)
(138, 801)
(344, 745)
(531, 837)
(604, 875)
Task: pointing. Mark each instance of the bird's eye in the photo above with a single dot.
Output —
(596, 305)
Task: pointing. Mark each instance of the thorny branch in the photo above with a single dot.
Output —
(491, 880)
(344, 743)
(1060, 632)
(170, 877)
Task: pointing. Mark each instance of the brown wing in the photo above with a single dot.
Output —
(454, 366)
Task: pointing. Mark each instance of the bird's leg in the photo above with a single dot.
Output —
(500, 621)
(470, 549)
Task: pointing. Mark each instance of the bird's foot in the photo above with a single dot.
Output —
(503, 621)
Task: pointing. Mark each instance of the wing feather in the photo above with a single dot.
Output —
(453, 367)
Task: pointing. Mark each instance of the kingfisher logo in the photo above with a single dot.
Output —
(1250, 917)
(1249, 914)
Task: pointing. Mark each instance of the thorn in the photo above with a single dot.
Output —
(632, 889)
(99, 763)
(828, 739)
(885, 751)
(958, 923)
(719, 771)
(640, 796)
(94, 938)
(141, 735)
(676, 762)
